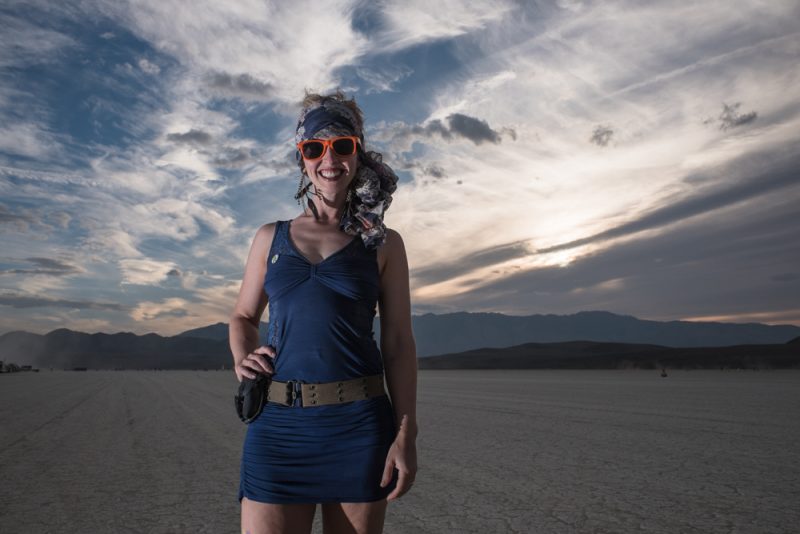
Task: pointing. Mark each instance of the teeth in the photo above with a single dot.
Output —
(330, 174)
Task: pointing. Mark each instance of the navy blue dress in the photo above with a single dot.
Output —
(320, 323)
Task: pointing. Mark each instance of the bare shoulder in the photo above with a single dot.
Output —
(252, 299)
(263, 240)
(392, 250)
(393, 238)
(265, 234)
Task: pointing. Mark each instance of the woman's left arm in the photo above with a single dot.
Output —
(400, 361)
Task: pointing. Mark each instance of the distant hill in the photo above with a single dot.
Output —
(593, 355)
(207, 347)
(218, 331)
(456, 332)
(65, 349)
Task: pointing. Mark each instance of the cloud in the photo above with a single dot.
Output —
(383, 78)
(47, 266)
(191, 137)
(242, 86)
(409, 23)
(735, 184)
(731, 118)
(110, 242)
(473, 129)
(782, 174)
(149, 67)
(432, 170)
(24, 43)
(400, 136)
(232, 157)
(24, 219)
(171, 307)
(29, 301)
(29, 139)
(601, 135)
(470, 262)
(145, 271)
(785, 277)
(249, 51)
(689, 266)
(61, 218)
(20, 221)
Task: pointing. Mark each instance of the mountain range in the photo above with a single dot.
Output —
(597, 355)
(456, 332)
(444, 335)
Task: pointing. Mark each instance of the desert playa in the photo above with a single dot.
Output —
(499, 451)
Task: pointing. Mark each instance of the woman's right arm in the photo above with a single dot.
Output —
(248, 357)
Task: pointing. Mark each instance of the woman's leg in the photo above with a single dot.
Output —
(265, 518)
(354, 517)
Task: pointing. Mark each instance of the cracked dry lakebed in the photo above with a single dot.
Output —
(498, 451)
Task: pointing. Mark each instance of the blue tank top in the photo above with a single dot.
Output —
(321, 314)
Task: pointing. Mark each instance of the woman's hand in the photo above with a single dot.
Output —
(256, 362)
(403, 456)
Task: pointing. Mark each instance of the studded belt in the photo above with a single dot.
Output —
(317, 394)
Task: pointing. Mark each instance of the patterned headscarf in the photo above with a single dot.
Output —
(374, 182)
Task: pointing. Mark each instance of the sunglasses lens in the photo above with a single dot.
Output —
(312, 149)
(344, 146)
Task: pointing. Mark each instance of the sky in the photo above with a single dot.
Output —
(635, 157)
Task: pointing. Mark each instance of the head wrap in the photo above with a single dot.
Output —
(374, 182)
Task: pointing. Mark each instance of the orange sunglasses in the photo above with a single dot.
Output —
(313, 149)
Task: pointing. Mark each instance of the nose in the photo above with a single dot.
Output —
(330, 154)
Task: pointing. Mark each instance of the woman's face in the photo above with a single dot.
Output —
(332, 173)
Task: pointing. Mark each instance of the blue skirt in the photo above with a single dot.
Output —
(331, 453)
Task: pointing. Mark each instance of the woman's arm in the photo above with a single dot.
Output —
(397, 339)
(248, 357)
(400, 363)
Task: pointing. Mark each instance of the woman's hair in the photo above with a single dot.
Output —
(370, 192)
(315, 99)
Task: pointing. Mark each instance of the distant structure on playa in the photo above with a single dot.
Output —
(14, 368)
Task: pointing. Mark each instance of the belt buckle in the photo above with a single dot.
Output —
(291, 392)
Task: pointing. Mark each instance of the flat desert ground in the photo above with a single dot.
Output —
(499, 451)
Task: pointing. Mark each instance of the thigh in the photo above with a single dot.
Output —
(354, 517)
(266, 518)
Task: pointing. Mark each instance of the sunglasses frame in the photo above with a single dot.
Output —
(328, 143)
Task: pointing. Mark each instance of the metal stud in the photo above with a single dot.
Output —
(274, 258)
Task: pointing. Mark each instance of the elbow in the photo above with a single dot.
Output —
(399, 349)
(236, 318)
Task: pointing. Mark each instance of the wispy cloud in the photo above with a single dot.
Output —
(23, 301)
(241, 86)
(48, 266)
(384, 77)
(731, 118)
(410, 23)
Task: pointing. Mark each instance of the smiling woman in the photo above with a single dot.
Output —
(329, 432)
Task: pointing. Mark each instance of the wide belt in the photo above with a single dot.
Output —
(318, 394)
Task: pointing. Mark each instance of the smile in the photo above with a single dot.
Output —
(331, 174)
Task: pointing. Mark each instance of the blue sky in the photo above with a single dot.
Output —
(554, 157)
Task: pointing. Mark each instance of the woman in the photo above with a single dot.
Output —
(329, 433)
